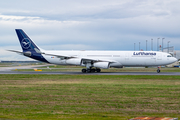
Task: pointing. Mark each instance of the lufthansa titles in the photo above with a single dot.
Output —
(144, 53)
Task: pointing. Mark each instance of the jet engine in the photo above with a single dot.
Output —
(103, 65)
(73, 61)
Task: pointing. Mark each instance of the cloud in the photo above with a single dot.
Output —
(96, 25)
(17, 18)
(87, 10)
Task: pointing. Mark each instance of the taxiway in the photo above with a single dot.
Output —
(9, 70)
(101, 73)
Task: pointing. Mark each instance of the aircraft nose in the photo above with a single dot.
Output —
(175, 59)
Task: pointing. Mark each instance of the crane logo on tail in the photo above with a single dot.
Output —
(26, 43)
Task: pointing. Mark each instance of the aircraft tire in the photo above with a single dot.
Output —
(158, 70)
(98, 70)
(93, 70)
(83, 70)
(88, 71)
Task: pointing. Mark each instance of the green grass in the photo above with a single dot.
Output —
(48, 97)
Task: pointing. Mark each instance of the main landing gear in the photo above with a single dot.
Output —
(158, 70)
(91, 70)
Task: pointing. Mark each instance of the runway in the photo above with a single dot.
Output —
(101, 73)
(9, 70)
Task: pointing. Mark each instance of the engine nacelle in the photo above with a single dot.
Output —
(103, 65)
(73, 61)
(116, 65)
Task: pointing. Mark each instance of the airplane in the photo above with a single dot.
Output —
(94, 61)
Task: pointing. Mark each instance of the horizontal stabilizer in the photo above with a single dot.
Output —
(21, 53)
(16, 51)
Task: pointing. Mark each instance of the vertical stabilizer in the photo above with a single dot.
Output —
(30, 49)
(26, 43)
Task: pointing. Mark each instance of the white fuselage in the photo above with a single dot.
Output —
(120, 58)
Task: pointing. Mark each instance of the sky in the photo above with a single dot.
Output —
(89, 24)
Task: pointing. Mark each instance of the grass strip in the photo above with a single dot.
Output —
(88, 97)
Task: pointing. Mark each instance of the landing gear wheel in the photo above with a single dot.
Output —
(98, 70)
(93, 70)
(158, 70)
(88, 70)
(83, 70)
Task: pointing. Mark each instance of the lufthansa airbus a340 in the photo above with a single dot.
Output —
(94, 61)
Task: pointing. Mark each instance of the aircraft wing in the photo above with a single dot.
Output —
(83, 59)
(56, 55)
(66, 56)
(98, 60)
(75, 56)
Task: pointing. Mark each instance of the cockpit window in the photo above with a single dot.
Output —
(169, 56)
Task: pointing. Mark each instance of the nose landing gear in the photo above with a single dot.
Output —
(158, 70)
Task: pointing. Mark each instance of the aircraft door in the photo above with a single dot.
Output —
(127, 59)
(159, 56)
(126, 56)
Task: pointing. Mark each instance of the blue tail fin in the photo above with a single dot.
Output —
(30, 49)
(26, 43)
